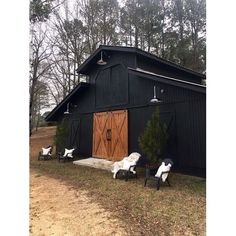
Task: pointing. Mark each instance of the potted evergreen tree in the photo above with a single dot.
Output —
(153, 140)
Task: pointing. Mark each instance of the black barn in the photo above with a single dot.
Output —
(111, 109)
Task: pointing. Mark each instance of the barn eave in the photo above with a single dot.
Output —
(167, 80)
(61, 107)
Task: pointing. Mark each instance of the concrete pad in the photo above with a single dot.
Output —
(95, 163)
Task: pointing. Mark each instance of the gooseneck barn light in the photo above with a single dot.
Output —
(154, 99)
(67, 112)
(101, 62)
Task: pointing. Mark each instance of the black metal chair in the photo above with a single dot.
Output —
(47, 156)
(126, 168)
(127, 174)
(68, 157)
(158, 180)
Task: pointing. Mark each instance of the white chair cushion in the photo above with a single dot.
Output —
(45, 151)
(163, 168)
(68, 152)
(70, 155)
(134, 156)
(127, 164)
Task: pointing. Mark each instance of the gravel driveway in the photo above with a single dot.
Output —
(58, 209)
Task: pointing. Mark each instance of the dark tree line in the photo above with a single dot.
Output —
(171, 29)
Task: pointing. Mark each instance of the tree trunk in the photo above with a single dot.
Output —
(136, 36)
(32, 92)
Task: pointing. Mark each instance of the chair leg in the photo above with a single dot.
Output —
(145, 182)
(168, 182)
(126, 175)
(39, 156)
(114, 175)
(158, 184)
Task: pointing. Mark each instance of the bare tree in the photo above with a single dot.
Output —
(67, 44)
(39, 53)
(41, 101)
(89, 11)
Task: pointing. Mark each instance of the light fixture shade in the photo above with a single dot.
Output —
(154, 99)
(101, 62)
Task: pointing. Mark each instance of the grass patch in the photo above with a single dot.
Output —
(176, 210)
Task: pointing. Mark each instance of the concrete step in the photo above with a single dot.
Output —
(95, 163)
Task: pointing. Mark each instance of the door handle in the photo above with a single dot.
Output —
(108, 134)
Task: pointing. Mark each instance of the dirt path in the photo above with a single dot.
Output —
(57, 209)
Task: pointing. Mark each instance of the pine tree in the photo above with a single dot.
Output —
(154, 138)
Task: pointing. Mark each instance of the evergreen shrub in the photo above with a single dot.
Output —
(61, 135)
(153, 140)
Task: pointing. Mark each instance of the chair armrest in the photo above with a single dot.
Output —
(66, 156)
(164, 172)
(131, 167)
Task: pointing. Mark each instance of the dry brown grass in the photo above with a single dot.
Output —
(41, 138)
(176, 210)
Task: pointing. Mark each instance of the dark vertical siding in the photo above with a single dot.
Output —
(103, 91)
(86, 135)
(80, 136)
(137, 121)
(163, 69)
(140, 91)
(74, 133)
(187, 142)
(138, 118)
(119, 85)
(111, 86)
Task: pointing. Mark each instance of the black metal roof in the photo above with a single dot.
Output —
(61, 107)
(168, 80)
(92, 59)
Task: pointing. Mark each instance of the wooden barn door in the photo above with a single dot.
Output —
(101, 123)
(119, 131)
(110, 135)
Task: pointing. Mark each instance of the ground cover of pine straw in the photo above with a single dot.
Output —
(176, 210)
